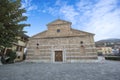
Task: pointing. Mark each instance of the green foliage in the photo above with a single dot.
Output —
(9, 57)
(11, 21)
(12, 55)
(116, 58)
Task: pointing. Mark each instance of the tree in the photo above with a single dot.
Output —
(11, 22)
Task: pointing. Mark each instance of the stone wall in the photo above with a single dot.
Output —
(70, 46)
(74, 44)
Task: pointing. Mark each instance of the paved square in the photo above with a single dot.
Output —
(107, 70)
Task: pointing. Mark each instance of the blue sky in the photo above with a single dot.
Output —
(101, 17)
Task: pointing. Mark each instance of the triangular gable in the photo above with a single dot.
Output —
(74, 31)
(58, 21)
(39, 34)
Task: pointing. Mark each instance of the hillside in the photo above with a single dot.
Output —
(109, 40)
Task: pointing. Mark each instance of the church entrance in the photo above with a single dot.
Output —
(58, 56)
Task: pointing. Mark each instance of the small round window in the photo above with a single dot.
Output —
(58, 30)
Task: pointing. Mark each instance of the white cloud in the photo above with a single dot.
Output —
(84, 5)
(101, 17)
(62, 10)
(28, 5)
(32, 8)
(26, 14)
(69, 13)
(52, 11)
(104, 20)
(58, 2)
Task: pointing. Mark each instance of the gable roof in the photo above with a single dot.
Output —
(38, 34)
(73, 33)
(58, 21)
(79, 31)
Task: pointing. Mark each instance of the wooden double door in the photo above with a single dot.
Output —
(58, 56)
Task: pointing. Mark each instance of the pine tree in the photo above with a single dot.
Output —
(11, 22)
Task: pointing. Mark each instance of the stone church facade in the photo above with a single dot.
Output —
(61, 43)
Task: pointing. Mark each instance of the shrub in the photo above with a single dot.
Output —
(9, 57)
(12, 55)
(3, 61)
(116, 58)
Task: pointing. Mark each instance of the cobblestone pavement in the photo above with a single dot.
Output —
(107, 70)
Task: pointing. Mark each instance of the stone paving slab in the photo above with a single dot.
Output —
(107, 70)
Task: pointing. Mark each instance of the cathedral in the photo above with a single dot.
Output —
(61, 43)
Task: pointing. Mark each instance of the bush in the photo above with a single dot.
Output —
(109, 55)
(12, 55)
(9, 57)
(116, 58)
(3, 61)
